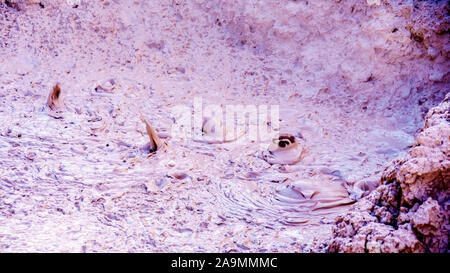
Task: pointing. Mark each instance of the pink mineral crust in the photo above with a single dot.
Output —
(409, 212)
(362, 91)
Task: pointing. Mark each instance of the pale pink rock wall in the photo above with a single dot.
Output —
(380, 55)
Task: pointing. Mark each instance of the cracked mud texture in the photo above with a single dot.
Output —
(409, 212)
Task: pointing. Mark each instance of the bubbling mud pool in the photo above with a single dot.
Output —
(80, 177)
(87, 182)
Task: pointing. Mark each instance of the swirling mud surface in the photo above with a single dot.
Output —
(82, 180)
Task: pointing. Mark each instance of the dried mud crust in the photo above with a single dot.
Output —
(409, 212)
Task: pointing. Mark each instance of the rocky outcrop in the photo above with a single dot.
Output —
(409, 212)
